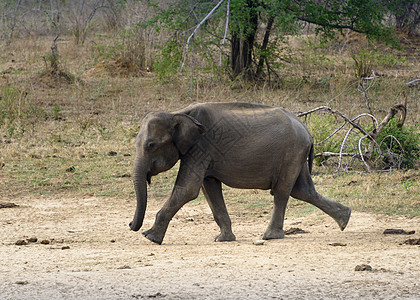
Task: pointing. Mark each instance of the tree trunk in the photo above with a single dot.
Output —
(242, 43)
(263, 56)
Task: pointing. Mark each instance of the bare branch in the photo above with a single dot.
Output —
(365, 90)
(361, 154)
(413, 82)
(342, 146)
(392, 112)
(226, 30)
(335, 26)
(195, 31)
(355, 125)
(334, 132)
(334, 154)
(389, 155)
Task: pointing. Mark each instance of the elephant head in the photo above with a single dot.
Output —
(162, 139)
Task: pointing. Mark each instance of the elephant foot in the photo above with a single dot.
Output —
(151, 235)
(343, 218)
(230, 237)
(272, 234)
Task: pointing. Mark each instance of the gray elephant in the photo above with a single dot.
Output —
(242, 145)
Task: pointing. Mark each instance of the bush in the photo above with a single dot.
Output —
(321, 126)
(399, 145)
(167, 64)
(129, 53)
(17, 112)
(9, 99)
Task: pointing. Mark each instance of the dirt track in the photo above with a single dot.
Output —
(93, 255)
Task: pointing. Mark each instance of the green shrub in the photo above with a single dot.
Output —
(321, 126)
(406, 151)
(168, 61)
(9, 104)
(17, 112)
(367, 60)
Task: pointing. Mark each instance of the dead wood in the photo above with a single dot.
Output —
(364, 155)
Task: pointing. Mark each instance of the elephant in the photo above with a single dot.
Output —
(242, 145)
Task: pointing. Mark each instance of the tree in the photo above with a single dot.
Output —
(407, 15)
(250, 55)
(11, 13)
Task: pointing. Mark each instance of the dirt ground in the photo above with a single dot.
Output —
(92, 254)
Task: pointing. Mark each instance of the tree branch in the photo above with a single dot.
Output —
(195, 31)
(355, 125)
(413, 82)
(226, 30)
(336, 26)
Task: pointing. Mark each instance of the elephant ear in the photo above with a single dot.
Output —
(187, 131)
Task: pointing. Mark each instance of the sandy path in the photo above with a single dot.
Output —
(105, 260)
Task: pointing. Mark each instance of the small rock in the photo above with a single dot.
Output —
(112, 153)
(32, 240)
(24, 282)
(8, 205)
(398, 231)
(363, 267)
(189, 219)
(21, 243)
(412, 242)
(338, 245)
(259, 242)
(157, 295)
(294, 231)
(112, 241)
(127, 154)
(71, 169)
(124, 268)
(65, 247)
(45, 242)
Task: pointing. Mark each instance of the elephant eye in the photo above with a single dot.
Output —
(150, 145)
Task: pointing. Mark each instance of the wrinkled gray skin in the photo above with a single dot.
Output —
(239, 144)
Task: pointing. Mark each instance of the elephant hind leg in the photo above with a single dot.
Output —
(275, 228)
(281, 190)
(212, 189)
(304, 190)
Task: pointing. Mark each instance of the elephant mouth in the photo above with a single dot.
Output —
(149, 177)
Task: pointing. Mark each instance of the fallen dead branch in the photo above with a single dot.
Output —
(413, 83)
(361, 151)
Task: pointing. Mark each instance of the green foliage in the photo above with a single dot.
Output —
(408, 184)
(167, 63)
(321, 126)
(368, 59)
(9, 110)
(362, 64)
(17, 113)
(246, 17)
(399, 143)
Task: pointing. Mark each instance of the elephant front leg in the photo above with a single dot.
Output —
(180, 196)
(275, 228)
(212, 189)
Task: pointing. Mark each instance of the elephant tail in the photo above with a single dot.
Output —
(311, 158)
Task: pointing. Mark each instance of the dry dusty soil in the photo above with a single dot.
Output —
(92, 254)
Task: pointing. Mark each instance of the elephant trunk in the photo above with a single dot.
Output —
(141, 175)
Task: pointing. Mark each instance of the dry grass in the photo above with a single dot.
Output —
(62, 137)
